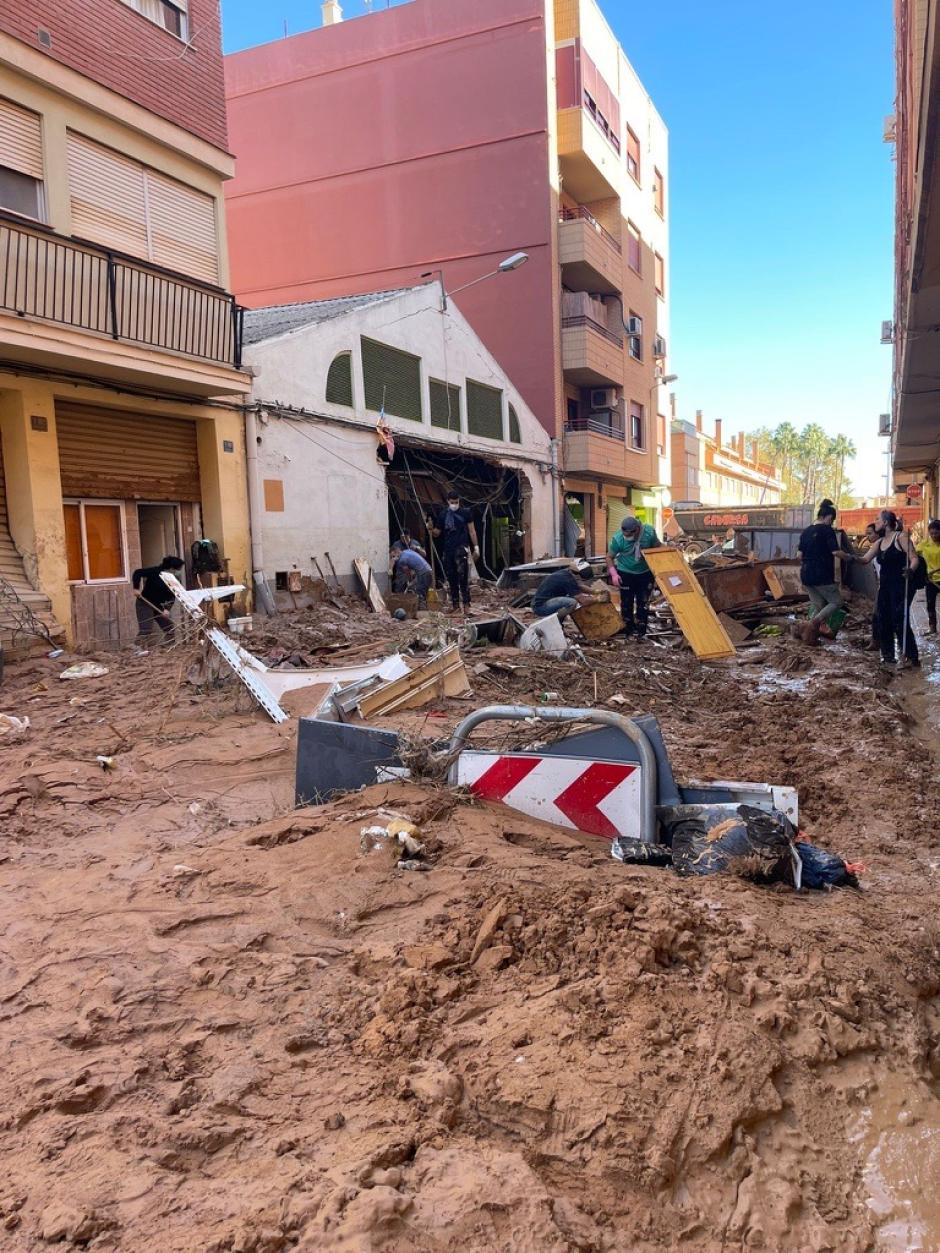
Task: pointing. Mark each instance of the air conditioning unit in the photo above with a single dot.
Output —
(659, 346)
(634, 325)
(603, 398)
(887, 332)
(889, 132)
(884, 423)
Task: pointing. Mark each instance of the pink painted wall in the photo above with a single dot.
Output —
(410, 139)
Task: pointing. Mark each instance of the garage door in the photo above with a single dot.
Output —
(115, 455)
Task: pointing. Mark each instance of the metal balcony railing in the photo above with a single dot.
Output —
(597, 426)
(43, 275)
(580, 213)
(591, 325)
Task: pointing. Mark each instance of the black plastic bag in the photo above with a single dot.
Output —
(639, 852)
(741, 840)
(822, 869)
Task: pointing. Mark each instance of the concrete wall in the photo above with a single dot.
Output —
(414, 138)
(333, 487)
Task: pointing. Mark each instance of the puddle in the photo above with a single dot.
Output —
(900, 1136)
(772, 681)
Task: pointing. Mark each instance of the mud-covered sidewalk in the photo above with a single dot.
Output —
(225, 1027)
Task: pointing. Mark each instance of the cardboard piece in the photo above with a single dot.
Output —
(367, 579)
(598, 622)
(696, 618)
(443, 674)
(402, 600)
(737, 631)
(784, 581)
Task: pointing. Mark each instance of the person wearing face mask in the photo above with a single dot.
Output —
(454, 527)
(629, 571)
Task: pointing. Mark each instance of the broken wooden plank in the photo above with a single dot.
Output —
(367, 579)
(441, 675)
(737, 631)
(695, 616)
(598, 621)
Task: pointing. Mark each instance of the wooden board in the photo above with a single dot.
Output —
(367, 579)
(598, 622)
(786, 578)
(441, 675)
(737, 631)
(696, 618)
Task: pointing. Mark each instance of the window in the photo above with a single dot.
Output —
(339, 381)
(484, 410)
(445, 405)
(659, 193)
(637, 433)
(21, 165)
(130, 208)
(172, 16)
(634, 249)
(633, 155)
(392, 380)
(635, 339)
(659, 274)
(94, 541)
(515, 432)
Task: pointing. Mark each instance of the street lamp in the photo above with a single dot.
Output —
(512, 262)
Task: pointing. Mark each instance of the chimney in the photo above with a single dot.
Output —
(741, 446)
(718, 431)
(698, 420)
(332, 13)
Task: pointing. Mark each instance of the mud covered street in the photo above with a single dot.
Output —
(225, 1027)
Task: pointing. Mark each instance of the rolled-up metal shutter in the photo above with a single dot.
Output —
(20, 139)
(114, 455)
(108, 201)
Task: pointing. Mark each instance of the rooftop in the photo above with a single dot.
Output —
(274, 320)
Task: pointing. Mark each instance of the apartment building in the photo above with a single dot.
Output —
(915, 428)
(708, 470)
(119, 340)
(441, 136)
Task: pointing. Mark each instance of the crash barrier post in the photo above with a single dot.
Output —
(522, 713)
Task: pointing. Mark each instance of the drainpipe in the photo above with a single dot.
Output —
(255, 512)
(556, 539)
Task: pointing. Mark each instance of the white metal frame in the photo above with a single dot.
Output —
(88, 500)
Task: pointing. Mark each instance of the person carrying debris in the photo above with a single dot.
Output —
(152, 597)
(561, 593)
(819, 548)
(629, 571)
(929, 552)
(454, 527)
(410, 570)
(896, 559)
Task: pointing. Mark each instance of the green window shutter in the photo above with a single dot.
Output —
(445, 405)
(484, 410)
(515, 434)
(339, 381)
(394, 374)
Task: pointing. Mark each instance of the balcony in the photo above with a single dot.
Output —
(68, 304)
(590, 166)
(591, 355)
(590, 257)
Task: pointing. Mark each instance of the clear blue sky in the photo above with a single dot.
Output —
(781, 200)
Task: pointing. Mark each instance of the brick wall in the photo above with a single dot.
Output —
(111, 43)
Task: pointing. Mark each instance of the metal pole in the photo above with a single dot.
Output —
(556, 537)
(521, 713)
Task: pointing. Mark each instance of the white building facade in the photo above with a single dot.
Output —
(322, 477)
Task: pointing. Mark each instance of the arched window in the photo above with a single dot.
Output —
(339, 381)
(515, 434)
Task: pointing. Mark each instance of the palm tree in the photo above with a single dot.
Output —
(785, 442)
(814, 447)
(842, 449)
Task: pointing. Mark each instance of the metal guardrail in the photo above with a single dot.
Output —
(581, 214)
(583, 320)
(43, 275)
(596, 427)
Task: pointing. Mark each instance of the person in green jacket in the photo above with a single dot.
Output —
(628, 570)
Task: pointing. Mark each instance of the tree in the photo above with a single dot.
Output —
(786, 443)
(841, 448)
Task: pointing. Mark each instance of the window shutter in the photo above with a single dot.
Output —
(393, 374)
(515, 434)
(484, 410)
(20, 140)
(182, 228)
(445, 405)
(108, 201)
(339, 381)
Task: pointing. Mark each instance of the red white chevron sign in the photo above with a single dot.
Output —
(598, 797)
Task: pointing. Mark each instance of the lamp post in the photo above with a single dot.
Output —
(512, 262)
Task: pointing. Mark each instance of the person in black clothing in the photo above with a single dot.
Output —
(152, 597)
(819, 548)
(454, 527)
(896, 558)
(561, 593)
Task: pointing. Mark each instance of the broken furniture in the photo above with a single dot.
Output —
(600, 621)
(696, 618)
